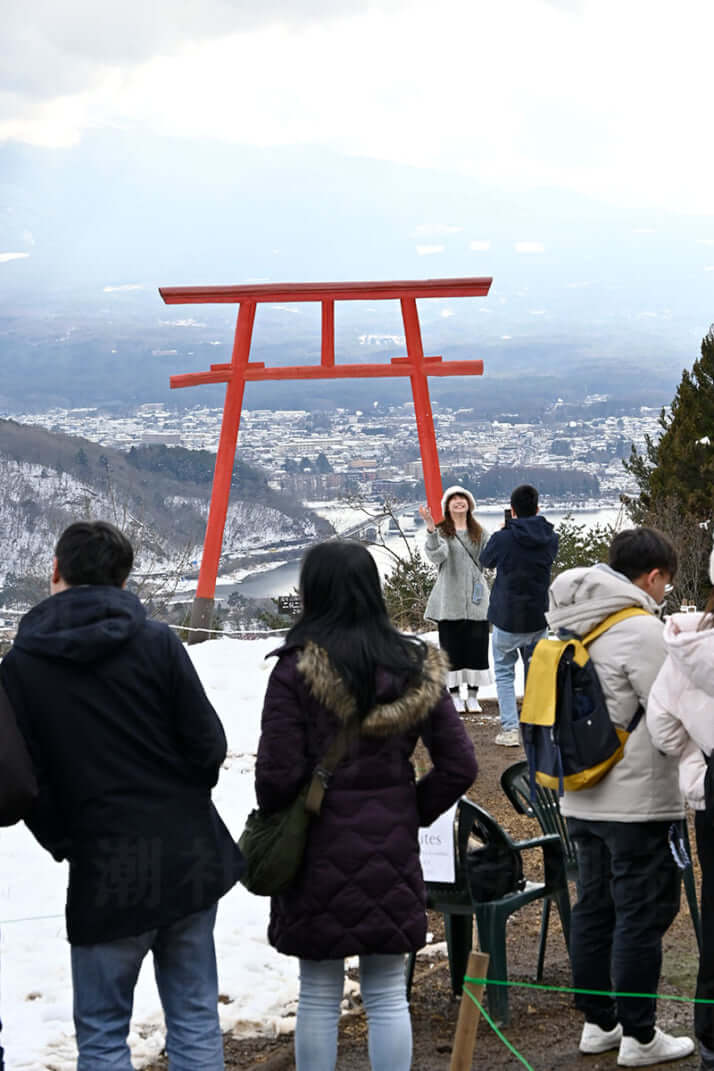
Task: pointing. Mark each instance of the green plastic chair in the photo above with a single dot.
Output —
(457, 905)
(545, 807)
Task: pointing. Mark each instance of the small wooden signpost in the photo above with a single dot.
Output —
(462, 1053)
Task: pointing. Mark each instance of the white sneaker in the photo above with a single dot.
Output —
(508, 738)
(662, 1047)
(458, 702)
(595, 1039)
(472, 703)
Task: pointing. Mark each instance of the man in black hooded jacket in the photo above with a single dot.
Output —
(522, 553)
(126, 748)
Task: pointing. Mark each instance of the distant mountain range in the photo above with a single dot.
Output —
(585, 297)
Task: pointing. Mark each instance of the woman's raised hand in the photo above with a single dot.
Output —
(425, 514)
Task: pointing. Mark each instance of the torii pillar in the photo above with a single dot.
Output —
(241, 370)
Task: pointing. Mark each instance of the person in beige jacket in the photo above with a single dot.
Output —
(680, 718)
(628, 883)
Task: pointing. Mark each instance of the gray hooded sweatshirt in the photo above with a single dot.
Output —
(643, 786)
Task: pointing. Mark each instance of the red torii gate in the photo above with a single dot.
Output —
(241, 370)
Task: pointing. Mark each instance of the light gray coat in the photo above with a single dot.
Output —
(643, 786)
(457, 559)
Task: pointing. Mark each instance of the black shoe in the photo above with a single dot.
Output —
(707, 1056)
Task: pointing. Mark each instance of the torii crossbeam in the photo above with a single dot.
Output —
(241, 370)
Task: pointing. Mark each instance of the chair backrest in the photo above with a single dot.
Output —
(471, 820)
(544, 806)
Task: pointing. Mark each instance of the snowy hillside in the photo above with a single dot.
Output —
(49, 480)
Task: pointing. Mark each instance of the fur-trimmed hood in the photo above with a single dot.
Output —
(397, 709)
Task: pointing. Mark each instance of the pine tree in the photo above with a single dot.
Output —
(685, 453)
(675, 476)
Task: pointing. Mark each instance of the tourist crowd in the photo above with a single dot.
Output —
(117, 749)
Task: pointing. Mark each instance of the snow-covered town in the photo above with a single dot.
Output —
(372, 450)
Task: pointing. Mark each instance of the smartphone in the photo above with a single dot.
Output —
(507, 518)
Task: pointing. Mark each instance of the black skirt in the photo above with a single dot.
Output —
(465, 643)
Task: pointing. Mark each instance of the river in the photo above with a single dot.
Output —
(283, 579)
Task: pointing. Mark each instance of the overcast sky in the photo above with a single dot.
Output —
(605, 97)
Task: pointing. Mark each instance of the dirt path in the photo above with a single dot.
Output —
(545, 1027)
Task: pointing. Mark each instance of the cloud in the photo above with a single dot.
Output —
(122, 287)
(529, 247)
(480, 246)
(256, 74)
(49, 48)
(5, 257)
(429, 250)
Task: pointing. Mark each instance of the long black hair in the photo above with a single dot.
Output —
(343, 612)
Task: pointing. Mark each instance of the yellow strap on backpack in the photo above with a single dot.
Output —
(540, 699)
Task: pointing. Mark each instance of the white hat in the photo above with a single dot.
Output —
(456, 490)
(711, 567)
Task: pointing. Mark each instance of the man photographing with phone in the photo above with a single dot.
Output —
(522, 553)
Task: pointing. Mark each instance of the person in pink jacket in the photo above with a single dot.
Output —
(680, 718)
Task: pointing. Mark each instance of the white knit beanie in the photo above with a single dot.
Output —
(456, 490)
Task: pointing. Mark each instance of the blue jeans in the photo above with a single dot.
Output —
(507, 646)
(103, 979)
(384, 996)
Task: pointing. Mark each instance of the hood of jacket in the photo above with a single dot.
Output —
(398, 708)
(81, 624)
(692, 652)
(531, 531)
(581, 598)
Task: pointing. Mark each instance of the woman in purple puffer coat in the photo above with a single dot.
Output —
(360, 890)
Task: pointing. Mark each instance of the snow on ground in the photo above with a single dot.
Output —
(258, 985)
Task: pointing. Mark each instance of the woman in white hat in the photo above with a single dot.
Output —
(459, 598)
(680, 718)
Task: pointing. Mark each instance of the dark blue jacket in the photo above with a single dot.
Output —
(522, 555)
(126, 747)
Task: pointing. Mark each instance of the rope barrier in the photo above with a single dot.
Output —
(559, 989)
(235, 632)
(32, 918)
(495, 1029)
(587, 992)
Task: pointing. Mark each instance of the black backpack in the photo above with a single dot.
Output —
(568, 737)
(492, 867)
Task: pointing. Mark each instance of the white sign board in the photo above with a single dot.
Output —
(436, 848)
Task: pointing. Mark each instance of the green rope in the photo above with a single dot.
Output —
(587, 992)
(493, 1026)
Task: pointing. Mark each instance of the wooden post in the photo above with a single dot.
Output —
(202, 609)
(462, 1053)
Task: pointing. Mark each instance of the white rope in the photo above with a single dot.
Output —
(238, 632)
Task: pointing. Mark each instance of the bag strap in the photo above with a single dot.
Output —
(469, 555)
(613, 619)
(325, 769)
(621, 615)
